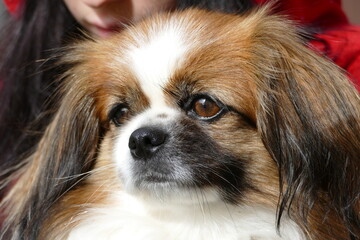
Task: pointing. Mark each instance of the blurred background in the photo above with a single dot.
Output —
(351, 7)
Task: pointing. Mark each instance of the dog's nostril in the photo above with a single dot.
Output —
(144, 142)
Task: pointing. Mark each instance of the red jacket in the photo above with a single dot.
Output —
(336, 37)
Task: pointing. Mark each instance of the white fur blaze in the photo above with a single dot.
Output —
(155, 60)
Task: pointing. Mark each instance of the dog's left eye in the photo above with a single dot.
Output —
(204, 107)
(119, 114)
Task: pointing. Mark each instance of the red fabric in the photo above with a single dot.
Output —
(336, 38)
(342, 45)
(12, 5)
(321, 13)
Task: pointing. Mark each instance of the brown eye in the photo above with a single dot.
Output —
(119, 114)
(206, 108)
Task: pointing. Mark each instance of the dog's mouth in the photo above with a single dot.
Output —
(161, 173)
(168, 187)
(156, 178)
(172, 188)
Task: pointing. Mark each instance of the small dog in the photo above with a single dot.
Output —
(195, 125)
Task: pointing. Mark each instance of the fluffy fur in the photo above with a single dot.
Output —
(195, 125)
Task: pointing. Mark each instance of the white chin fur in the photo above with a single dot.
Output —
(168, 196)
(131, 218)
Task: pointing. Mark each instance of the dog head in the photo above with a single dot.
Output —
(234, 108)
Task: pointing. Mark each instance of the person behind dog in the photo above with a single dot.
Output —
(37, 29)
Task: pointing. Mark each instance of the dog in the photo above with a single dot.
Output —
(195, 125)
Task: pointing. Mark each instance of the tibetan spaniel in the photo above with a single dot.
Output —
(195, 125)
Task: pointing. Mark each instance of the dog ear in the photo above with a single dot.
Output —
(61, 159)
(309, 119)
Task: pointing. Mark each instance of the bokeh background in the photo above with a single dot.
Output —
(352, 8)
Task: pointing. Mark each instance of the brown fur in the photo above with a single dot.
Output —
(259, 66)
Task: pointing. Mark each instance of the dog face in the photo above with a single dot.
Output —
(196, 108)
(184, 121)
(168, 127)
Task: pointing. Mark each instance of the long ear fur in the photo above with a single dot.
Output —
(309, 119)
(64, 154)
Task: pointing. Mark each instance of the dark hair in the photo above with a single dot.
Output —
(27, 70)
(26, 47)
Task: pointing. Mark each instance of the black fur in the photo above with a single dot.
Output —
(188, 147)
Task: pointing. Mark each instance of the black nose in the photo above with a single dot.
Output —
(145, 142)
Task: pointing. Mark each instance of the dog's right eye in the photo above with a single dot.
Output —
(119, 114)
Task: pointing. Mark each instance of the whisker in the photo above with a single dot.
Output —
(93, 171)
